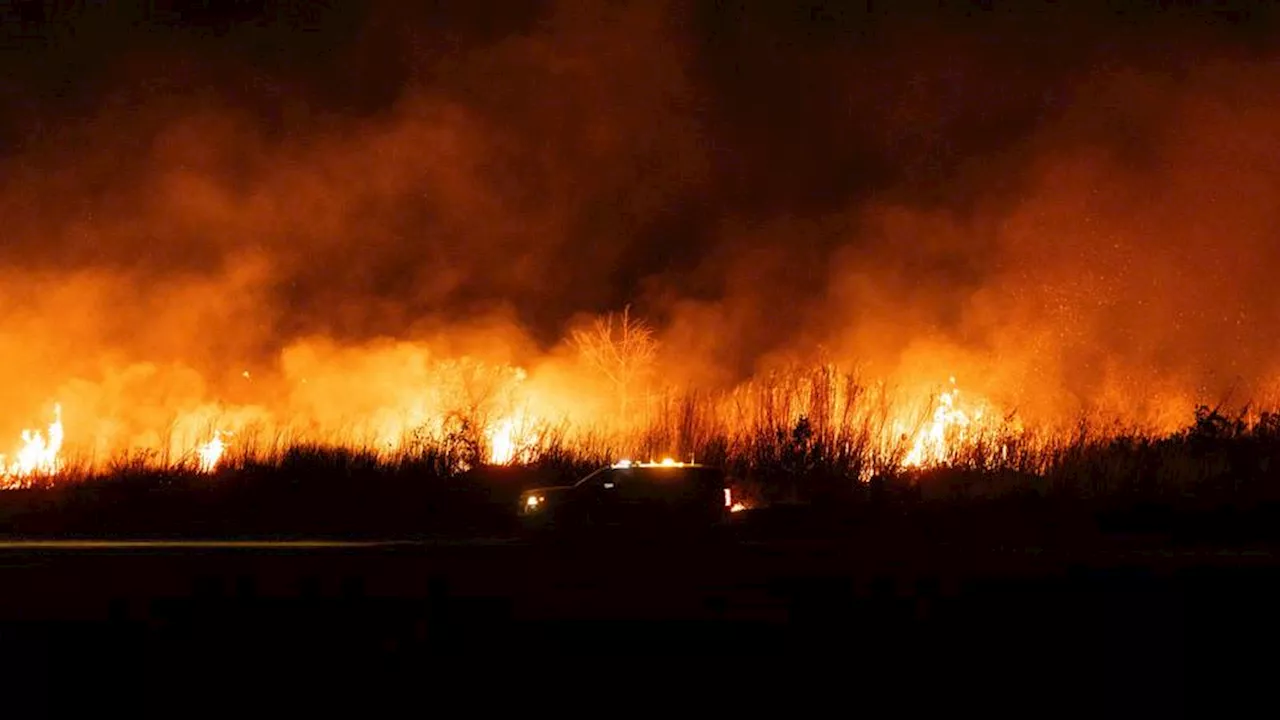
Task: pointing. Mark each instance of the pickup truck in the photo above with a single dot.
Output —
(632, 495)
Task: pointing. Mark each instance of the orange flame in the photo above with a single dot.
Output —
(38, 455)
(210, 453)
(947, 431)
(502, 442)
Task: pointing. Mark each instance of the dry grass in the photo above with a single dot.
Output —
(807, 435)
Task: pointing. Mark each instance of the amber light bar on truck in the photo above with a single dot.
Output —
(666, 462)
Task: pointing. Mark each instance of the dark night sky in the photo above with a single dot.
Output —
(391, 166)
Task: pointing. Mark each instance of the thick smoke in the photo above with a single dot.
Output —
(282, 214)
(1130, 275)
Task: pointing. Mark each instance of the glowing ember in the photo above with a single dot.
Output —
(737, 507)
(38, 455)
(210, 453)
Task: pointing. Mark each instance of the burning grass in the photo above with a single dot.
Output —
(809, 436)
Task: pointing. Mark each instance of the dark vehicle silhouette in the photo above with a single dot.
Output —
(632, 496)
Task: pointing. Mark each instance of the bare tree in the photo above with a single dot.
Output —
(622, 349)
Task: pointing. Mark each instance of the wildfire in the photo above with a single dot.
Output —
(502, 442)
(39, 455)
(210, 453)
(948, 429)
(511, 438)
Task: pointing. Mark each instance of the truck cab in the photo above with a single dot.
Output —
(632, 495)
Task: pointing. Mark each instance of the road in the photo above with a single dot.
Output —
(1123, 623)
(29, 545)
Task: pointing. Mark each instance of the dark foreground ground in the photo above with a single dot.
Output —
(1116, 629)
